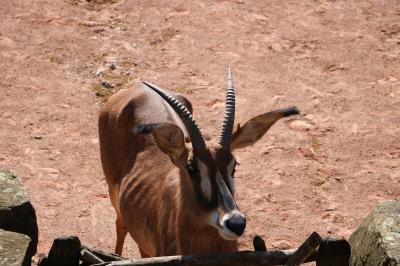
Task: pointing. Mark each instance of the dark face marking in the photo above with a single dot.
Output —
(203, 169)
(211, 172)
(208, 201)
(227, 165)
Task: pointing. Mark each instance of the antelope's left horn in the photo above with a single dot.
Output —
(225, 136)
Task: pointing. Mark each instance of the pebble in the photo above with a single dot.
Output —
(276, 47)
(216, 104)
(300, 125)
(355, 129)
(98, 29)
(282, 244)
(6, 115)
(382, 81)
(316, 101)
(276, 99)
(107, 85)
(92, 23)
(29, 151)
(100, 71)
(260, 17)
(95, 141)
(49, 170)
(46, 173)
(267, 150)
(112, 66)
(7, 42)
(64, 105)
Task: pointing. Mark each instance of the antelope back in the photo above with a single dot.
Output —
(118, 118)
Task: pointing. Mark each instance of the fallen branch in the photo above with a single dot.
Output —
(268, 258)
(103, 255)
(259, 244)
(89, 258)
(306, 253)
(333, 252)
(305, 250)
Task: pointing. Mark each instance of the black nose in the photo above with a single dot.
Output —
(236, 224)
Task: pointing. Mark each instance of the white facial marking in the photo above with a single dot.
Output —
(214, 217)
(228, 234)
(205, 182)
(228, 215)
(219, 223)
(229, 171)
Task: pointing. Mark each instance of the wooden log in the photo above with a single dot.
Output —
(305, 250)
(103, 255)
(268, 258)
(89, 258)
(65, 251)
(259, 244)
(333, 252)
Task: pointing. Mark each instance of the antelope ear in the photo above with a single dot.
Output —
(169, 138)
(256, 127)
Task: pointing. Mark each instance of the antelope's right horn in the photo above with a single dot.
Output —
(190, 124)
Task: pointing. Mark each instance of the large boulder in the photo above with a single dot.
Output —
(16, 212)
(14, 249)
(377, 240)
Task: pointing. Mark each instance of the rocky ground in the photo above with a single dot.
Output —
(324, 170)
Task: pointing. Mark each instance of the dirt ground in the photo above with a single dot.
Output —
(323, 171)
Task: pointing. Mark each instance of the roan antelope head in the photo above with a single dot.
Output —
(211, 167)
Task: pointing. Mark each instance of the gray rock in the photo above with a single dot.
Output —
(377, 240)
(14, 249)
(16, 212)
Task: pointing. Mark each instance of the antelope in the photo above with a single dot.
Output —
(172, 190)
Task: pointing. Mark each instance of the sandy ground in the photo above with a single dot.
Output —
(324, 170)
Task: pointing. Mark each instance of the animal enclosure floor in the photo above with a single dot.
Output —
(323, 171)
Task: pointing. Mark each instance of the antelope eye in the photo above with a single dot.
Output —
(192, 169)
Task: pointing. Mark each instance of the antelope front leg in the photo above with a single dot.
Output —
(121, 234)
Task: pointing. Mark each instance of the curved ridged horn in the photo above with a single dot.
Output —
(193, 130)
(226, 132)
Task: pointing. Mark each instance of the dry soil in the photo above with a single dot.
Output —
(323, 170)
